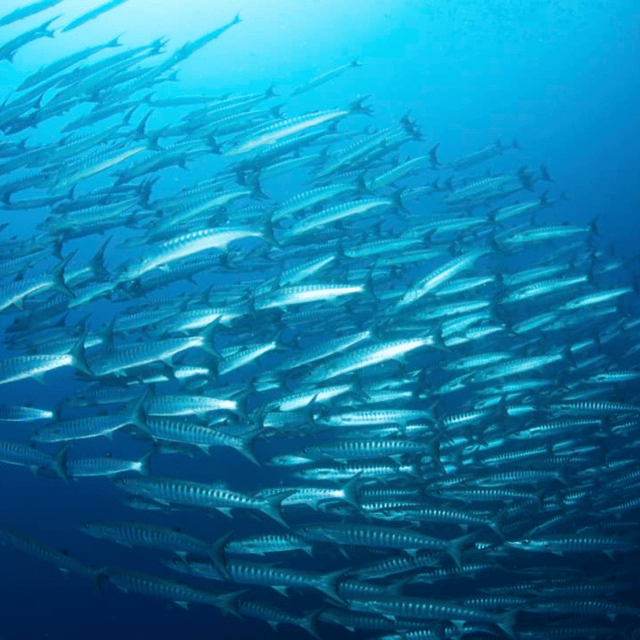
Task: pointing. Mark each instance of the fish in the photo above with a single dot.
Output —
(9, 49)
(410, 385)
(93, 14)
(325, 77)
(28, 10)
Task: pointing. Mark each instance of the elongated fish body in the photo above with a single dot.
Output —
(272, 134)
(325, 77)
(25, 456)
(366, 449)
(572, 544)
(324, 350)
(133, 534)
(382, 537)
(337, 212)
(305, 293)
(104, 467)
(518, 366)
(185, 246)
(181, 594)
(94, 165)
(10, 413)
(60, 65)
(9, 49)
(276, 616)
(422, 608)
(266, 544)
(137, 354)
(310, 198)
(245, 356)
(59, 559)
(83, 428)
(367, 357)
(24, 367)
(29, 10)
(184, 405)
(198, 494)
(314, 395)
(370, 417)
(93, 14)
(439, 277)
(595, 298)
(270, 576)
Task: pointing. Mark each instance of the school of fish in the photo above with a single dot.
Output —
(435, 393)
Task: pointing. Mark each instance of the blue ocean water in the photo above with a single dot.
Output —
(560, 77)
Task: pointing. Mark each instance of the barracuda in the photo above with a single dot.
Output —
(595, 298)
(400, 417)
(198, 494)
(310, 198)
(133, 534)
(515, 367)
(181, 594)
(10, 413)
(545, 287)
(63, 561)
(277, 578)
(305, 293)
(367, 357)
(185, 405)
(421, 608)
(94, 164)
(324, 350)
(439, 276)
(29, 10)
(185, 246)
(383, 537)
(24, 367)
(262, 545)
(267, 136)
(128, 356)
(339, 212)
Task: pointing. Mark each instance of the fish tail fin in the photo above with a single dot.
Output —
(256, 189)
(79, 356)
(455, 547)
(246, 445)
(145, 462)
(271, 506)
(396, 197)
(58, 277)
(97, 262)
(216, 553)
(350, 491)
(310, 623)
(60, 463)
(267, 233)
(433, 159)
(138, 414)
(507, 622)
(99, 576)
(330, 582)
(593, 227)
(543, 199)
(358, 107)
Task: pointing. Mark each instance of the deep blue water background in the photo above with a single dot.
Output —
(562, 78)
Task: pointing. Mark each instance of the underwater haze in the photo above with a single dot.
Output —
(319, 319)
